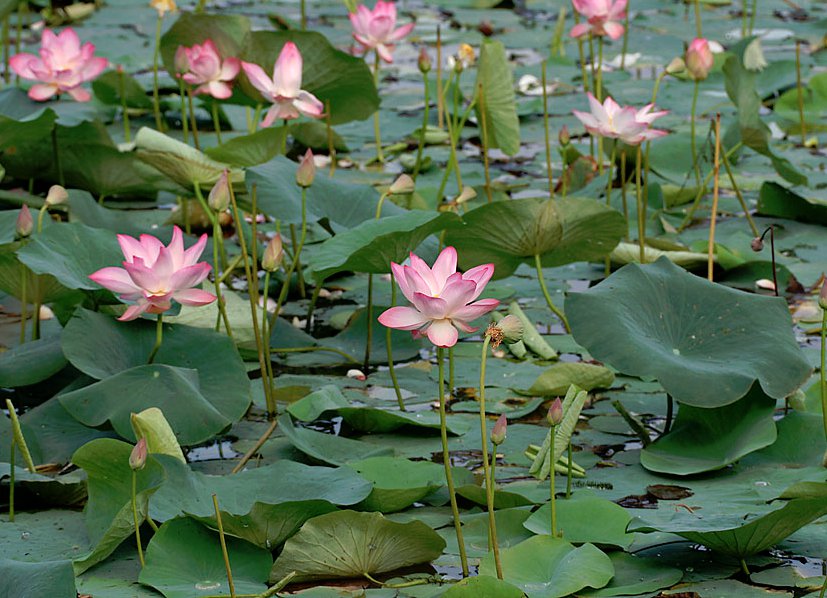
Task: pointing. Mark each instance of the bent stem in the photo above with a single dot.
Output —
(539, 266)
(715, 189)
(156, 100)
(376, 131)
(135, 519)
(446, 460)
(420, 148)
(489, 484)
(223, 541)
(159, 337)
(739, 195)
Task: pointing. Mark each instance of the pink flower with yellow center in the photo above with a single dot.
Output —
(154, 275)
(204, 68)
(603, 17)
(374, 29)
(626, 123)
(443, 299)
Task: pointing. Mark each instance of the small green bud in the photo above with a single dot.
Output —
(219, 197)
(424, 62)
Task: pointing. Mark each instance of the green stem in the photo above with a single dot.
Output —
(216, 122)
(670, 407)
(369, 324)
(314, 297)
(265, 331)
(800, 91)
(299, 269)
(222, 310)
(744, 25)
(159, 337)
(752, 16)
(699, 32)
(388, 342)
(156, 100)
(127, 133)
(223, 542)
(6, 50)
(489, 484)
(547, 133)
(569, 471)
(608, 264)
(823, 371)
(552, 475)
(135, 520)
(314, 348)
(599, 90)
(304, 15)
(691, 213)
(484, 142)
(11, 481)
(641, 208)
(380, 157)
(285, 288)
(696, 164)
(446, 460)
(424, 128)
(539, 266)
(625, 40)
(56, 154)
(583, 73)
(451, 369)
(623, 190)
(24, 286)
(744, 567)
(193, 122)
(185, 126)
(739, 195)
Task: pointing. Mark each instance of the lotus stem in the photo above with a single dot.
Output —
(670, 406)
(156, 100)
(446, 460)
(489, 480)
(451, 369)
(655, 89)
(696, 164)
(421, 146)
(752, 16)
(549, 172)
(314, 348)
(299, 270)
(11, 481)
(591, 62)
(265, 330)
(744, 567)
(623, 189)
(569, 472)
(582, 57)
(24, 287)
(823, 371)
(6, 51)
(608, 264)
(271, 591)
(552, 475)
(800, 92)
(255, 448)
(625, 40)
(223, 541)
(135, 519)
(331, 146)
(380, 157)
(285, 288)
(539, 266)
(159, 337)
(696, 202)
(185, 128)
(440, 101)
(314, 298)
(698, 26)
(598, 85)
(493, 490)
(823, 588)
(304, 15)
(218, 241)
(641, 209)
(127, 133)
(216, 122)
(369, 323)
(389, 343)
(193, 123)
(637, 427)
(286, 125)
(744, 23)
(739, 195)
(715, 189)
(484, 132)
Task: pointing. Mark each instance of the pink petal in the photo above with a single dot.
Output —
(580, 30)
(22, 65)
(402, 318)
(41, 92)
(190, 276)
(258, 78)
(457, 293)
(420, 267)
(401, 32)
(79, 94)
(442, 333)
(219, 90)
(433, 308)
(143, 277)
(194, 297)
(116, 280)
(192, 254)
(131, 247)
(400, 278)
(133, 311)
(475, 310)
(176, 248)
(480, 275)
(309, 105)
(385, 52)
(613, 29)
(445, 265)
(230, 69)
(287, 73)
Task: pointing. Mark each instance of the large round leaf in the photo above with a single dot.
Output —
(585, 519)
(398, 482)
(184, 560)
(374, 244)
(349, 544)
(330, 74)
(705, 343)
(636, 575)
(707, 439)
(494, 75)
(508, 233)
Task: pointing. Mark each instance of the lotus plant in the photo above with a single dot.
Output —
(376, 30)
(61, 66)
(631, 126)
(284, 90)
(444, 301)
(154, 275)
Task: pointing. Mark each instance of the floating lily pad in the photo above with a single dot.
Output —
(584, 519)
(35, 580)
(510, 531)
(398, 482)
(328, 448)
(483, 586)
(635, 575)
(705, 343)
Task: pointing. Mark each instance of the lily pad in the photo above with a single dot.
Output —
(398, 483)
(584, 519)
(483, 586)
(365, 543)
(328, 448)
(705, 343)
(494, 75)
(557, 379)
(635, 575)
(55, 579)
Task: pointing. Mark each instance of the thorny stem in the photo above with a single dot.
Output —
(218, 236)
(255, 448)
(285, 288)
(135, 519)
(549, 172)
(489, 482)
(369, 323)
(331, 146)
(159, 337)
(539, 266)
(24, 286)
(446, 460)
(623, 189)
(223, 541)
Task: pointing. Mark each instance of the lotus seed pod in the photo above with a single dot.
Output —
(512, 328)
(404, 184)
(757, 244)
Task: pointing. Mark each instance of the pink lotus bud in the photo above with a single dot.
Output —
(822, 296)
(404, 184)
(306, 171)
(137, 458)
(181, 63)
(555, 412)
(25, 223)
(564, 137)
(273, 254)
(57, 195)
(499, 430)
(424, 61)
(219, 197)
(699, 59)
(757, 244)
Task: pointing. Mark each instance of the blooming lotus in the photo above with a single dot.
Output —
(61, 67)
(603, 17)
(374, 29)
(203, 67)
(626, 123)
(443, 299)
(284, 89)
(154, 275)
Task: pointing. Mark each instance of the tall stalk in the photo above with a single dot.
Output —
(715, 187)
(800, 92)
(484, 142)
(547, 133)
(489, 481)
(556, 310)
(696, 165)
(156, 99)
(421, 146)
(380, 157)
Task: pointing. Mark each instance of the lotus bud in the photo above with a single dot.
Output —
(306, 171)
(754, 56)
(57, 195)
(564, 137)
(404, 184)
(512, 328)
(699, 59)
(555, 412)
(468, 193)
(219, 198)
(273, 254)
(822, 296)
(181, 63)
(424, 61)
(137, 458)
(676, 66)
(499, 430)
(356, 375)
(757, 244)
(25, 223)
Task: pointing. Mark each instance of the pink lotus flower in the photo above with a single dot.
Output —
(441, 297)
(62, 66)
(284, 89)
(206, 70)
(154, 275)
(699, 59)
(374, 30)
(603, 17)
(627, 124)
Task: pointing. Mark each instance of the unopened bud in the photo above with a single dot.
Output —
(25, 223)
(356, 375)
(822, 296)
(512, 328)
(564, 137)
(468, 193)
(57, 195)
(306, 171)
(273, 254)
(424, 61)
(404, 184)
(757, 244)
(181, 63)
(676, 66)
(219, 198)
(499, 430)
(137, 458)
(555, 412)
(699, 59)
